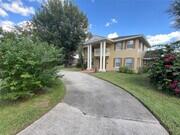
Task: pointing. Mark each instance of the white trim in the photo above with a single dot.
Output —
(88, 57)
(100, 68)
(104, 56)
(90, 60)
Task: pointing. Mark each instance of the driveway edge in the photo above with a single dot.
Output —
(162, 123)
(43, 114)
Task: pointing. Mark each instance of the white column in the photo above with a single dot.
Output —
(100, 68)
(90, 57)
(104, 56)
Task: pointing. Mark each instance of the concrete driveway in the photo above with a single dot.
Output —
(95, 107)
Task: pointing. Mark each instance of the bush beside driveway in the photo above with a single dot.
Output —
(165, 107)
(14, 116)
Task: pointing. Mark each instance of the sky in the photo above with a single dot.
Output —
(109, 18)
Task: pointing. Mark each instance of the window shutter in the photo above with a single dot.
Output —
(133, 63)
(124, 44)
(113, 62)
(121, 62)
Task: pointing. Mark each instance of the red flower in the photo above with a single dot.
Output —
(173, 84)
(177, 90)
(169, 57)
(168, 66)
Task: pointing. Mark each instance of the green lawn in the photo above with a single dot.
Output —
(16, 116)
(165, 107)
(69, 68)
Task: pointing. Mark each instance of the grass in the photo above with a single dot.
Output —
(165, 107)
(73, 68)
(18, 115)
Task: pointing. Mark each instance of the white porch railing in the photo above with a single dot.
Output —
(97, 52)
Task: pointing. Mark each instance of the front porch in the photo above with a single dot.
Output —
(97, 55)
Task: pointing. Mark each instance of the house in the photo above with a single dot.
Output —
(106, 54)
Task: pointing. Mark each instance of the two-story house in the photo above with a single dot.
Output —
(106, 54)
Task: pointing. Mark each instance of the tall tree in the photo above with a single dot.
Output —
(62, 24)
(175, 12)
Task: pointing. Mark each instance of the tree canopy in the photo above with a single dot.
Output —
(62, 24)
(175, 12)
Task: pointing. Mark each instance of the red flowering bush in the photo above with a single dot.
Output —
(169, 58)
(174, 86)
(165, 71)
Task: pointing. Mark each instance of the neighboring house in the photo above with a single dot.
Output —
(106, 54)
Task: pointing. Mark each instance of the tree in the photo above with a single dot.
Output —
(175, 12)
(81, 63)
(62, 24)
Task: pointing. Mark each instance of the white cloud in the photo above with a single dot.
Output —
(92, 1)
(172, 22)
(18, 8)
(111, 22)
(39, 1)
(107, 24)
(163, 38)
(90, 26)
(10, 26)
(3, 13)
(7, 25)
(112, 35)
(25, 25)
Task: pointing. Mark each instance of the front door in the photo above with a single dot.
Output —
(97, 63)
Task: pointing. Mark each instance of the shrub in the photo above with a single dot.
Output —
(125, 70)
(165, 71)
(26, 67)
(143, 70)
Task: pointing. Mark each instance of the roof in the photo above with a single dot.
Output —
(97, 38)
(125, 37)
(94, 39)
(121, 38)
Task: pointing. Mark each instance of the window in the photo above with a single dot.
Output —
(130, 44)
(117, 62)
(119, 46)
(129, 63)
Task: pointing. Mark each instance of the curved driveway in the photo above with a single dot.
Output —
(95, 107)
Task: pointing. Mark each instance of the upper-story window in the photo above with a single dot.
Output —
(130, 44)
(119, 46)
